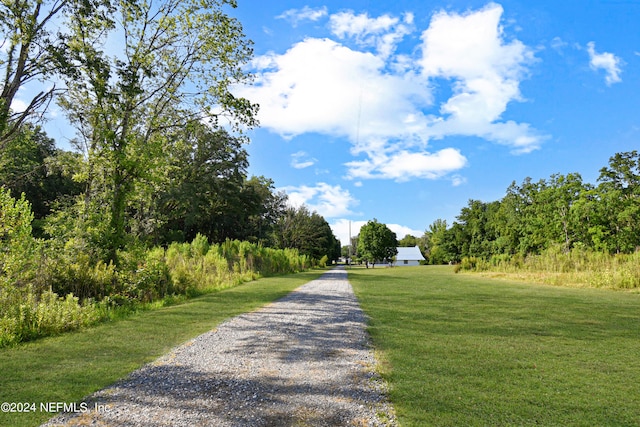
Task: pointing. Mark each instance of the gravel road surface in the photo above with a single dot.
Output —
(304, 360)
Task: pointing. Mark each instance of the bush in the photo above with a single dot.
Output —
(323, 261)
(471, 264)
(17, 246)
(98, 290)
(27, 315)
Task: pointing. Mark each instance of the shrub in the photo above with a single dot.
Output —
(17, 246)
(27, 315)
(98, 290)
(323, 261)
(83, 277)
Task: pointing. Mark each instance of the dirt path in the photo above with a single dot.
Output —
(303, 360)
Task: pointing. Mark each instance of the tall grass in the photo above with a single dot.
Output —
(26, 315)
(69, 367)
(70, 291)
(578, 267)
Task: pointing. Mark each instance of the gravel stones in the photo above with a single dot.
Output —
(304, 360)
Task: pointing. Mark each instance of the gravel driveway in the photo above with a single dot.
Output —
(304, 360)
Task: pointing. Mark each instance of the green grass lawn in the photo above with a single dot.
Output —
(461, 350)
(71, 366)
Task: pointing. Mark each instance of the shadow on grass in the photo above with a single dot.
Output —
(271, 367)
(376, 277)
(68, 367)
(212, 399)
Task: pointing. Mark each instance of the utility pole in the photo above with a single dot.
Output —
(349, 259)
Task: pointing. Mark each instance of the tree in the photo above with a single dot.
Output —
(308, 232)
(557, 200)
(433, 239)
(376, 242)
(508, 220)
(345, 251)
(34, 52)
(205, 191)
(408, 241)
(620, 193)
(520, 220)
(203, 187)
(262, 207)
(178, 62)
(31, 165)
(17, 245)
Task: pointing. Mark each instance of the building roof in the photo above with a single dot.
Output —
(409, 254)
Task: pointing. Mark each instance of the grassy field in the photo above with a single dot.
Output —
(69, 367)
(466, 350)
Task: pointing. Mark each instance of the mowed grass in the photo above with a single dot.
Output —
(69, 367)
(462, 350)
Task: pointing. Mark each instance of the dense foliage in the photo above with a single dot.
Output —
(308, 232)
(30, 299)
(376, 243)
(554, 217)
(159, 160)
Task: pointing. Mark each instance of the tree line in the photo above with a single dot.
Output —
(158, 155)
(561, 213)
(159, 145)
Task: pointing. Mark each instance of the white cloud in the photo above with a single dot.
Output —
(319, 85)
(295, 16)
(383, 33)
(346, 24)
(558, 44)
(18, 105)
(485, 70)
(341, 227)
(301, 160)
(382, 102)
(402, 231)
(457, 180)
(605, 61)
(328, 201)
(404, 165)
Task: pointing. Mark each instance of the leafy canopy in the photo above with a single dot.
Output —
(376, 242)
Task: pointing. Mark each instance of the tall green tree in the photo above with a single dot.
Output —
(34, 54)
(178, 62)
(308, 232)
(203, 187)
(508, 220)
(476, 221)
(557, 200)
(263, 206)
(376, 242)
(619, 191)
(434, 239)
(206, 191)
(31, 164)
(408, 241)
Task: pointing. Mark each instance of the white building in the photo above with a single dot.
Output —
(408, 257)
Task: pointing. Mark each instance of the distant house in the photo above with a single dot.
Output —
(408, 257)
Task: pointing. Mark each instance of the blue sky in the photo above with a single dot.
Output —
(404, 110)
